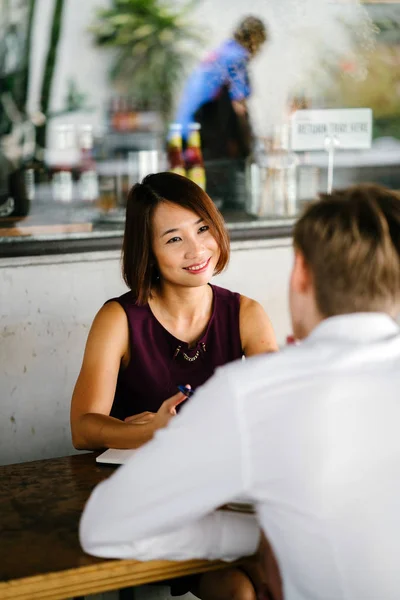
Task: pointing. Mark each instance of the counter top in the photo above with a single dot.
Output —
(50, 230)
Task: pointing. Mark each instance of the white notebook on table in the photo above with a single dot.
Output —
(113, 456)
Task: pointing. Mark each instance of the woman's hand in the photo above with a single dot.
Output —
(162, 417)
(240, 107)
(167, 410)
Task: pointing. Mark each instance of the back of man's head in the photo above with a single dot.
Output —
(350, 241)
(251, 33)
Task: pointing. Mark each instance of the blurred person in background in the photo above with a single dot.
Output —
(308, 435)
(215, 96)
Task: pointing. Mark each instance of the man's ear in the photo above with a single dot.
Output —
(301, 275)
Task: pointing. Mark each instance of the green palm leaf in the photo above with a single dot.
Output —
(156, 43)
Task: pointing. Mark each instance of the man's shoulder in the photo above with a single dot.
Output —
(318, 362)
(268, 369)
(231, 51)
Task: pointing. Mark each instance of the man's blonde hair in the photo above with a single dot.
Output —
(351, 242)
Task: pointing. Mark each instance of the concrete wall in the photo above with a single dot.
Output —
(47, 305)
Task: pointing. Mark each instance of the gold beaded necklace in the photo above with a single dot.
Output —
(186, 356)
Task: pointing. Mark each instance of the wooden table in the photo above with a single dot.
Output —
(40, 557)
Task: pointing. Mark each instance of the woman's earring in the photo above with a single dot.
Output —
(156, 274)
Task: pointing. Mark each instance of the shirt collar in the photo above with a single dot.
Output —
(239, 48)
(356, 327)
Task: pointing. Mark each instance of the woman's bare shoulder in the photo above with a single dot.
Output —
(256, 330)
(109, 322)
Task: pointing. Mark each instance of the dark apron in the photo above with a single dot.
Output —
(226, 143)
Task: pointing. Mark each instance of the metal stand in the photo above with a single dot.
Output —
(331, 145)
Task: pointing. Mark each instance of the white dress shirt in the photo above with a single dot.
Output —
(310, 435)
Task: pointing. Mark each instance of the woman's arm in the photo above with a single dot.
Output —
(256, 332)
(106, 348)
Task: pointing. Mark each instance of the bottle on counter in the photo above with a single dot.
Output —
(113, 108)
(107, 200)
(281, 174)
(29, 161)
(119, 117)
(88, 179)
(272, 179)
(132, 115)
(63, 153)
(176, 162)
(28, 167)
(35, 175)
(194, 157)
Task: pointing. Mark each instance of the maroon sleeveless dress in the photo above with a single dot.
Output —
(160, 362)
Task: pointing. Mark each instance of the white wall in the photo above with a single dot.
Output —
(77, 58)
(47, 305)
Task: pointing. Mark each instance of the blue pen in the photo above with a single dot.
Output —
(187, 391)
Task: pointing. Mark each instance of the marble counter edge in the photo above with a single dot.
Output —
(61, 250)
(105, 255)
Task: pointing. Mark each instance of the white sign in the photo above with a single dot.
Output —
(346, 128)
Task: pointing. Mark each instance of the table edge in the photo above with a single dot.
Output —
(101, 577)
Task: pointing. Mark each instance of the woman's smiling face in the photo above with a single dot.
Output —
(185, 250)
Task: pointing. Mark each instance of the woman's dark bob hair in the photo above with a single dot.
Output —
(139, 268)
